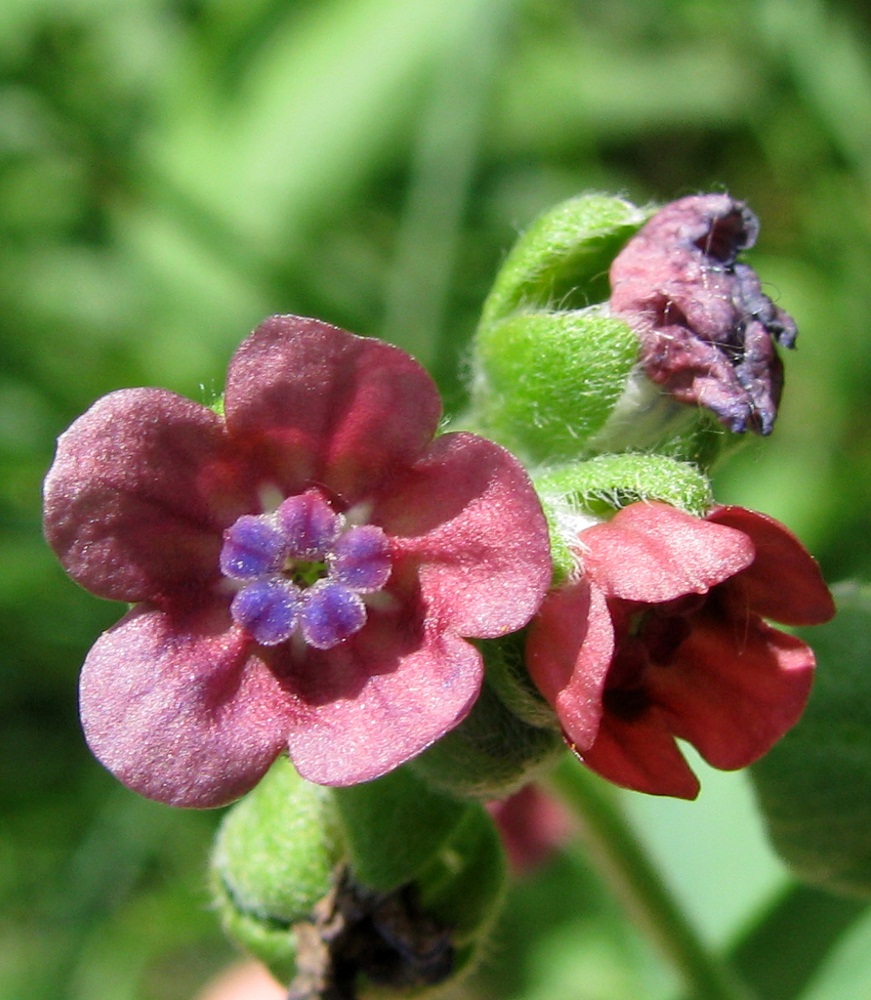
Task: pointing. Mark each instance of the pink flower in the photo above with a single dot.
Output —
(663, 637)
(303, 569)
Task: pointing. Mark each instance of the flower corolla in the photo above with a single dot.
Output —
(662, 636)
(305, 567)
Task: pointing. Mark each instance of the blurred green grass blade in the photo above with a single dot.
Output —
(586, 82)
(308, 120)
(780, 955)
(829, 58)
(442, 166)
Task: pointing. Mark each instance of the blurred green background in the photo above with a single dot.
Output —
(172, 171)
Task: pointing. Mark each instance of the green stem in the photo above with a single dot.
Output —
(623, 861)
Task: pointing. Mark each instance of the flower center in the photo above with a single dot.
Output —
(648, 636)
(303, 568)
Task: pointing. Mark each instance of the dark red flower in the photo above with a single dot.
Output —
(663, 637)
(707, 330)
(304, 568)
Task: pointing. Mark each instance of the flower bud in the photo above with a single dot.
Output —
(707, 330)
(385, 889)
(549, 364)
(274, 858)
(395, 825)
(678, 356)
(562, 260)
(493, 752)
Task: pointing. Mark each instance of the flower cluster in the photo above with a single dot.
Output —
(308, 562)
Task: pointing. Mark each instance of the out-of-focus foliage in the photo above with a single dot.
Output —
(172, 171)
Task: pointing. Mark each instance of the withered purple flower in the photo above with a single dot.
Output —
(708, 332)
(304, 569)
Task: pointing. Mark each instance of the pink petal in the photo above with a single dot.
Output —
(467, 516)
(654, 552)
(784, 582)
(322, 405)
(568, 654)
(734, 688)
(641, 754)
(380, 699)
(138, 494)
(182, 711)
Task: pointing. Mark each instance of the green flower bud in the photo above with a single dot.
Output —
(274, 859)
(395, 825)
(463, 886)
(562, 260)
(492, 752)
(549, 364)
(505, 660)
(546, 382)
(382, 890)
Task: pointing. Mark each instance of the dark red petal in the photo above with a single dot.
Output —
(734, 688)
(642, 755)
(654, 552)
(568, 653)
(324, 406)
(182, 712)
(468, 518)
(784, 582)
(139, 492)
(380, 699)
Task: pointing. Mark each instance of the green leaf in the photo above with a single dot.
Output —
(814, 787)
(766, 956)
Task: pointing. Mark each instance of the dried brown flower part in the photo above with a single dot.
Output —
(708, 332)
(384, 937)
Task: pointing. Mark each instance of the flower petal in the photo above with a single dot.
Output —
(361, 558)
(468, 517)
(330, 614)
(784, 582)
(733, 689)
(641, 754)
(325, 406)
(182, 711)
(380, 699)
(654, 552)
(254, 546)
(139, 492)
(568, 654)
